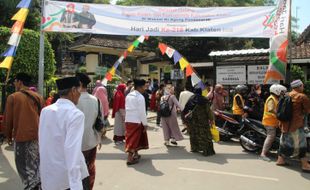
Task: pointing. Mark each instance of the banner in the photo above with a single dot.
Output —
(158, 21)
(230, 75)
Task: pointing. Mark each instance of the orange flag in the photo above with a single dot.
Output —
(108, 76)
(189, 70)
(162, 48)
(17, 27)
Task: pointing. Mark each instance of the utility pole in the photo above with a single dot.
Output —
(41, 53)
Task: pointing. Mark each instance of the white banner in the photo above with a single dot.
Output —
(256, 74)
(158, 21)
(231, 75)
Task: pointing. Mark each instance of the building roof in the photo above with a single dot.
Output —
(239, 52)
(304, 36)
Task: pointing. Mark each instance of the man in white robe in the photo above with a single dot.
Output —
(61, 127)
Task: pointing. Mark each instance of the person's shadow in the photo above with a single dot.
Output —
(146, 166)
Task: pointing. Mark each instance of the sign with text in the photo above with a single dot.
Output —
(256, 74)
(158, 21)
(231, 75)
(176, 74)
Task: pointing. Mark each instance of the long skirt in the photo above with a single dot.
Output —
(135, 137)
(171, 128)
(90, 157)
(119, 127)
(27, 162)
(293, 144)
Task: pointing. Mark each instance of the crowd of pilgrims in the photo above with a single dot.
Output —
(56, 148)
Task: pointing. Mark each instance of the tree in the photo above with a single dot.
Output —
(27, 57)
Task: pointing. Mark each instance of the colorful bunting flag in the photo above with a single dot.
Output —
(11, 51)
(21, 15)
(125, 54)
(146, 37)
(112, 71)
(183, 63)
(170, 52)
(201, 85)
(176, 56)
(162, 48)
(14, 39)
(121, 59)
(24, 4)
(130, 49)
(141, 39)
(104, 82)
(7, 62)
(116, 64)
(136, 43)
(108, 76)
(195, 79)
(17, 27)
(189, 70)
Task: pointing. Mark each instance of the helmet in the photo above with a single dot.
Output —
(241, 89)
(277, 89)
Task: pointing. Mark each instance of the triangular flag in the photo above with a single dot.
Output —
(201, 85)
(176, 56)
(195, 79)
(162, 47)
(21, 15)
(116, 64)
(24, 4)
(108, 76)
(14, 39)
(125, 54)
(7, 63)
(136, 43)
(146, 37)
(189, 70)
(17, 27)
(170, 52)
(104, 82)
(112, 71)
(11, 51)
(120, 60)
(141, 39)
(130, 49)
(183, 63)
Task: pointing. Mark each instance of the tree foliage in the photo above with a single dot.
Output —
(27, 57)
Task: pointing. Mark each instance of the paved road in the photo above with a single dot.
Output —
(176, 168)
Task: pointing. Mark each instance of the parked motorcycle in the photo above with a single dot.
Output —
(226, 125)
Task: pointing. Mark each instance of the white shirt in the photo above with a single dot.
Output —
(135, 108)
(88, 104)
(184, 97)
(62, 164)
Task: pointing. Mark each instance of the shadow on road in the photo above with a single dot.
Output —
(146, 166)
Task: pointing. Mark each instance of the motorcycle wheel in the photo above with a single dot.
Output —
(224, 138)
(252, 136)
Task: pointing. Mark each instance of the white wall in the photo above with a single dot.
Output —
(91, 62)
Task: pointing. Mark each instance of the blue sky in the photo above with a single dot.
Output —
(303, 13)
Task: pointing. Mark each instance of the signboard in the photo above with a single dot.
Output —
(256, 74)
(231, 75)
(101, 70)
(176, 74)
(159, 21)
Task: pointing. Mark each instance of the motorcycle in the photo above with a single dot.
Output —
(253, 135)
(227, 126)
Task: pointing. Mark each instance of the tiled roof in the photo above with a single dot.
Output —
(304, 37)
(301, 51)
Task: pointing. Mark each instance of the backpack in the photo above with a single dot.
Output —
(285, 108)
(164, 108)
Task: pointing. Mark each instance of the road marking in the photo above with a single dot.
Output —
(229, 173)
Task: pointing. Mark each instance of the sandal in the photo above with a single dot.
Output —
(283, 164)
(134, 161)
(136, 157)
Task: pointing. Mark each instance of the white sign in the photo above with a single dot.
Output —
(159, 21)
(231, 75)
(256, 74)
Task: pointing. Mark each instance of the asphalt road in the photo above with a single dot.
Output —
(176, 168)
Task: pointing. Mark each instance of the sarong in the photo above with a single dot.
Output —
(293, 144)
(90, 157)
(27, 162)
(135, 137)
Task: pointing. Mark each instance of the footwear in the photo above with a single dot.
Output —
(174, 142)
(265, 158)
(282, 164)
(134, 161)
(183, 130)
(305, 170)
(166, 143)
(136, 157)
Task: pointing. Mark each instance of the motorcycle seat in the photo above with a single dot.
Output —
(257, 123)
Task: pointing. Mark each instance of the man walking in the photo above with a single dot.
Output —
(135, 122)
(22, 112)
(89, 105)
(60, 140)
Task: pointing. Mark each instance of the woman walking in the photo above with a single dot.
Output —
(119, 114)
(169, 124)
(199, 118)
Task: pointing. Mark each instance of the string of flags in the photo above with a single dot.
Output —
(184, 64)
(16, 30)
(109, 75)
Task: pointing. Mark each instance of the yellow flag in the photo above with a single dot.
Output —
(183, 63)
(130, 49)
(112, 71)
(7, 62)
(21, 15)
